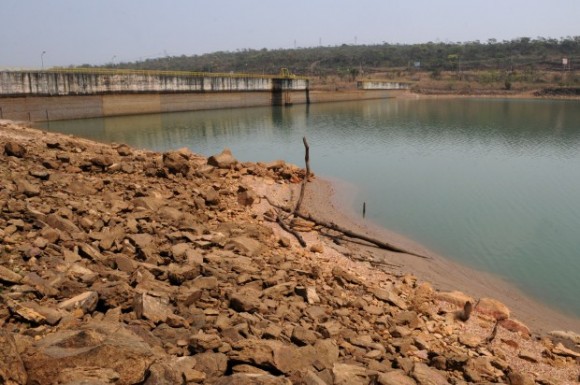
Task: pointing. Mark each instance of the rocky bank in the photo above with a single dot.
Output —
(122, 266)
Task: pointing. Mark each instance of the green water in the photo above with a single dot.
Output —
(494, 184)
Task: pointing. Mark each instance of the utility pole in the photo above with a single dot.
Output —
(42, 59)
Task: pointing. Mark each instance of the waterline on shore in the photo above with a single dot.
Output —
(335, 200)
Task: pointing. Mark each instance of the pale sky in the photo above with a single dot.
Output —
(74, 32)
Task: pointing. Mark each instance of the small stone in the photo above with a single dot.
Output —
(223, 160)
(124, 150)
(146, 306)
(245, 301)
(396, 377)
(86, 301)
(317, 248)
(102, 161)
(202, 342)
(176, 163)
(521, 378)
(7, 275)
(308, 293)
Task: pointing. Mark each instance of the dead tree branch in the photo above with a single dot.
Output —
(306, 177)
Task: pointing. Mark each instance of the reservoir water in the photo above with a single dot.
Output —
(494, 184)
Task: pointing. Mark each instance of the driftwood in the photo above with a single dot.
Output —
(491, 337)
(306, 177)
(352, 234)
(329, 225)
(287, 228)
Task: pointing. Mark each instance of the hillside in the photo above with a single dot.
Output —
(520, 65)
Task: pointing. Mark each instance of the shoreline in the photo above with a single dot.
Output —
(331, 200)
(149, 267)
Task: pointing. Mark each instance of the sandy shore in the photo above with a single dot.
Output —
(441, 272)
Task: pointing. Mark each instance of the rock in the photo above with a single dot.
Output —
(396, 377)
(345, 374)
(179, 274)
(51, 316)
(176, 163)
(252, 379)
(561, 350)
(25, 187)
(25, 312)
(480, 369)
(317, 248)
(8, 276)
(301, 336)
(494, 308)
(246, 301)
(86, 301)
(428, 376)
(307, 377)
(246, 196)
(102, 161)
(223, 160)
(470, 340)
(515, 326)
(244, 245)
(277, 355)
(98, 345)
(521, 378)
(308, 293)
(39, 284)
(202, 342)
(327, 353)
(146, 306)
(569, 335)
(12, 370)
(124, 263)
(124, 150)
(57, 222)
(174, 370)
(214, 365)
(14, 149)
(455, 297)
(342, 276)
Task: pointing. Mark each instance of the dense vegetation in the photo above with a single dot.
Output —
(523, 54)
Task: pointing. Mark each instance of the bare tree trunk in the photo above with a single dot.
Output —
(306, 177)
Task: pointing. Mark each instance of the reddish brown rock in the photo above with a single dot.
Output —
(12, 370)
(68, 355)
(493, 308)
(223, 160)
(14, 149)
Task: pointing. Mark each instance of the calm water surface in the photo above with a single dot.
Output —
(494, 184)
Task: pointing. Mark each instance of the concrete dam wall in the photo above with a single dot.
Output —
(95, 82)
(87, 93)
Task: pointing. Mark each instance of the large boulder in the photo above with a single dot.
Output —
(270, 354)
(108, 350)
(12, 371)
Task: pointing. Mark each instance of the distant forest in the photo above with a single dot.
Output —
(353, 60)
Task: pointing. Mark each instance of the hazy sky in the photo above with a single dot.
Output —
(104, 31)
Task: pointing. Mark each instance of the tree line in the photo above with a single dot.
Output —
(518, 54)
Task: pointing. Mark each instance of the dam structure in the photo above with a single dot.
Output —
(74, 93)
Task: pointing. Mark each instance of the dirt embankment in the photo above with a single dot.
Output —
(121, 266)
